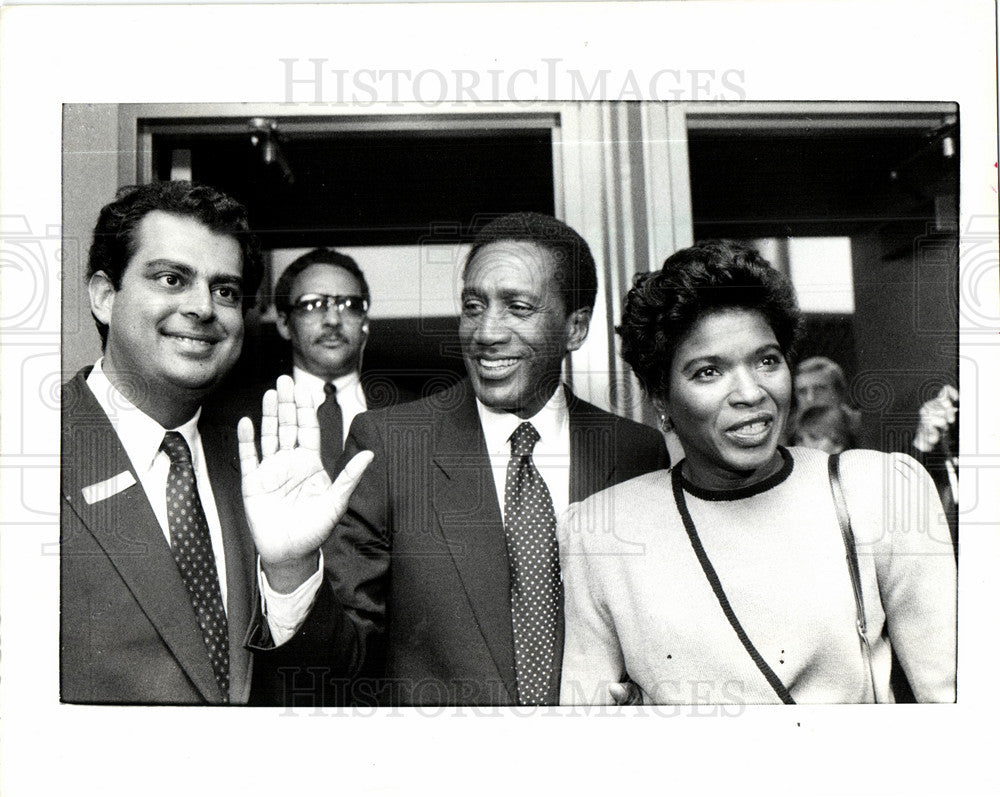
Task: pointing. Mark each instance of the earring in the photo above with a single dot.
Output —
(666, 425)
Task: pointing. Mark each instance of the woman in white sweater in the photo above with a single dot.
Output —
(727, 579)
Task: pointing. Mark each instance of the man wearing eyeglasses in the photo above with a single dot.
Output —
(322, 299)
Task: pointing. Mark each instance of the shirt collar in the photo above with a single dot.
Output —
(345, 384)
(550, 422)
(140, 435)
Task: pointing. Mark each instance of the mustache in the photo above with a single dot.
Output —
(330, 337)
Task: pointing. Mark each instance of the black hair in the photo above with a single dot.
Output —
(322, 256)
(664, 305)
(116, 234)
(575, 269)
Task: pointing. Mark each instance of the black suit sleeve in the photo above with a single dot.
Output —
(313, 667)
(642, 450)
(935, 462)
(660, 454)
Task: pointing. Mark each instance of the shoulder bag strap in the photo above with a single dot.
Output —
(852, 563)
(713, 578)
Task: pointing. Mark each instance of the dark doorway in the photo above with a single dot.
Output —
(893, 191)
(306, 186)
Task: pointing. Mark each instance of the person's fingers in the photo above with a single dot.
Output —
(949, 395)
(938, 416)
(287, 413)
(939, 413)
(306, 417)
(349, 477)
(247, 449)
(269, 423)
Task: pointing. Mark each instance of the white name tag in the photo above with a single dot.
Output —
(108, 487)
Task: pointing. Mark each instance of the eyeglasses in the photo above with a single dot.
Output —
(317, 304)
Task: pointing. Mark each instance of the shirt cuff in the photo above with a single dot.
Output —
(285, 613)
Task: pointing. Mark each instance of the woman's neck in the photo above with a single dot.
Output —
(719, 479)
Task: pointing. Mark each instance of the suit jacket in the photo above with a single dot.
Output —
(128, 632)
(415, 609)
(936, 462)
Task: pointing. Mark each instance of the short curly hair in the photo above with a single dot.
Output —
(576, 271)
(116, 234)
(664, 305)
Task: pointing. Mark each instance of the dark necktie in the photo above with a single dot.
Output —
(535, 586)
(331, 429)
(192, 549)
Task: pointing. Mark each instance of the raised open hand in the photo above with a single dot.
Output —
(936, 415)
(291, 504)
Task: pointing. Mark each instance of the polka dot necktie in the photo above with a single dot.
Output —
(192, 549)
(535, 586)
(331, 428)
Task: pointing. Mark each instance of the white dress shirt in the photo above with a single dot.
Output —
(551, 457)
(551, 452)
(350, 394)
(141, 437)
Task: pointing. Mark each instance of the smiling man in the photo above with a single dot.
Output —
(157, 562)
(444, 568)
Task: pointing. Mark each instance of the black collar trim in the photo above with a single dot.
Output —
(739, 493)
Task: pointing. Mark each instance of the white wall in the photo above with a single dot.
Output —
(90, 180)
(390, 270)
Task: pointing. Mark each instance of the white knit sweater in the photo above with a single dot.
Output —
(638, 603)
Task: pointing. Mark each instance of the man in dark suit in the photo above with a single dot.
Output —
(157, 568)
(443, 580)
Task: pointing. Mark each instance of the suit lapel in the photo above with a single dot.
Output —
(591, 449)
(376, 396)
(468, 510)
(222, 460)
(592, 452)
(465, 501)
(381, 390)
(124, 525)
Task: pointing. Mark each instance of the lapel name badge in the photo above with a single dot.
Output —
(107, 488)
